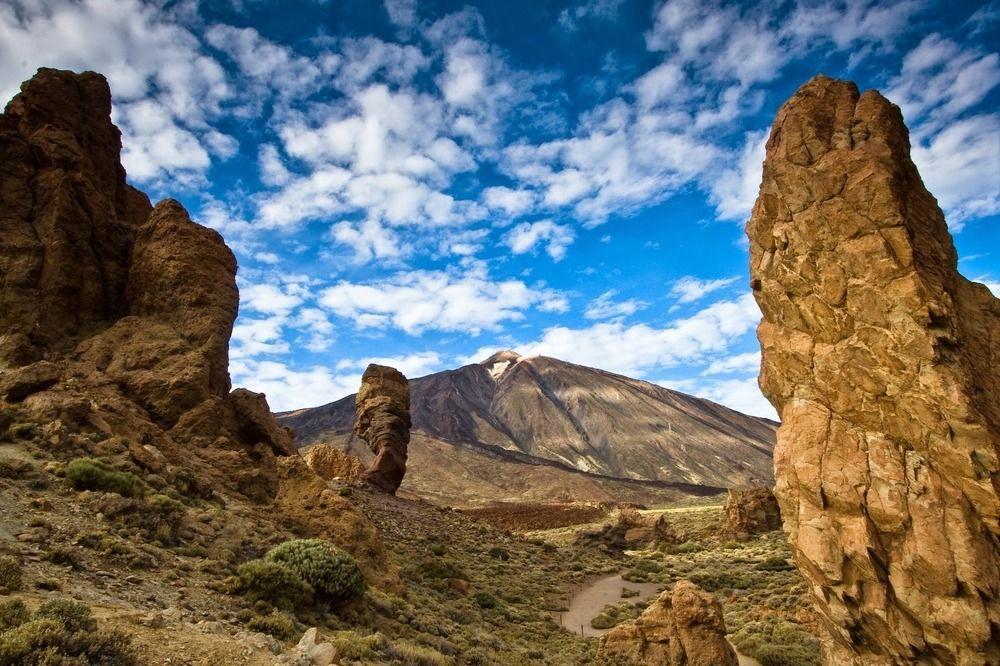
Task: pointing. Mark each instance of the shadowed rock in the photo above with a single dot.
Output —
(115, 315)
(383, 421)
(884, 364)
(750, 511)
(683, 627)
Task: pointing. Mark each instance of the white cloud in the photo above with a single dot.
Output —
(510, 201)
(287, 388)
(735, 190)
(589, 10)
(689, 288)
(738, 363)
(269, 299)
(417, 301)
(367, 239)
(555, 237)
(402, 12)
(961, 167)
(605, 307)
(165, 88)
(991, 284)
(743, 395)
(636, 350)
(411, 365)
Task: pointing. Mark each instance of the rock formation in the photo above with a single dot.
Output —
(884, 364)
(383, 421)
(115, 315)
(683, 627)
(750, 511)
(331, 463)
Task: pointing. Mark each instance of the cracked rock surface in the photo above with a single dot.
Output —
(884, 365)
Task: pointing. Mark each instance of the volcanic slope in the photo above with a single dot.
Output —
(529, 426)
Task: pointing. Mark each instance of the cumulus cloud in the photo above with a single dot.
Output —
(167, 90)
(418, 301)
(641, 348)
(526, 236)
(606, 307)
(571, 18)
(689, 288)
(735, 190)
(738, 363)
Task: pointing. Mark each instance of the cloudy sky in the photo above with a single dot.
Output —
(424, 182)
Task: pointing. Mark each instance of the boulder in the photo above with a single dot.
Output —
(682, 627)
(382, 420)
(750, 511)
(884, 365)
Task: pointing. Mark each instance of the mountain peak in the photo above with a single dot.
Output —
(498, 363)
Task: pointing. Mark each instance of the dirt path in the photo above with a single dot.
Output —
(588, 601)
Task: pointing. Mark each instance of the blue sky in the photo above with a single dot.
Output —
(423, 183)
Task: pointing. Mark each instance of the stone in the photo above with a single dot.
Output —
(682, 627)
(884, 365)
(382, 420)
(318, 653)
(16, 384)
(750, 511)
(331, 463)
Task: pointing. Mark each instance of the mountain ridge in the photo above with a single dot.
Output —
(540, 410)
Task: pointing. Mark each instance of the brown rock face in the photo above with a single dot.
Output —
(884, 364)
(683, 627)
(750, 511)
(115, 315)
(331, 463)
(383, 421)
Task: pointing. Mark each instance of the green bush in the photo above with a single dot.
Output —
(60, 633)
(93, 474)
(332, 573)
(13, 613)
(10, 574)
(278, 625)
(499, 553)
(261, 580)
(485, 600)
(72, 615)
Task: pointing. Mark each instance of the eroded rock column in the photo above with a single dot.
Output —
(884, 364)
(383, 421)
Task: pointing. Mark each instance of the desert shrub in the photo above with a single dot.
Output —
(351, 645)
(417, 655)
(93, 474)
(713, 581)
(498, 553)
(332, 573)
(629, 592)
(13, 613)
(10, 574)
(485, 600)
(72, 615)
(684, 548)
(603, 621)
(776, 563)
(278, 625)
(261, 580)
(437, 549)
(440, 568)
(785, 655)
(64, 555)
(48, 642)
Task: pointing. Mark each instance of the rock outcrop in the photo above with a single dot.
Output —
(331, 463)
(383, 421)
(884, 364)
(750, 511)
(683, 627)
(115, 316)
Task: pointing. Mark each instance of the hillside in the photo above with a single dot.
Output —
(514, 415)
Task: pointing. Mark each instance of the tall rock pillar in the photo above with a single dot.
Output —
(884, 364)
